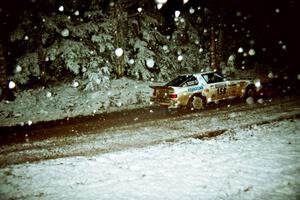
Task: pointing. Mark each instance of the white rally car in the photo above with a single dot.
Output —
(196, 90)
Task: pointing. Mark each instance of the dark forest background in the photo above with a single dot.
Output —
(46, 42)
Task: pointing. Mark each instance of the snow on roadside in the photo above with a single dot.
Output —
(68, 101)
(261, 162)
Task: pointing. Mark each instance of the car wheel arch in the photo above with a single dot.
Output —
(199, 95)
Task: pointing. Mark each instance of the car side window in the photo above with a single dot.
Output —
(213, 78)
(191, 81)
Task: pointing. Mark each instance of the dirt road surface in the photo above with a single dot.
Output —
(260, 142)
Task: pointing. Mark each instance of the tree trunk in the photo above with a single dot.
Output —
(6, 93)
(212, 49)
(118, 27)
(41, 58)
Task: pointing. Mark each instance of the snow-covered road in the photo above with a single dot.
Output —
(257, 156)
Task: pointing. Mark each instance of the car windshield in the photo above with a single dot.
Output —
(179, 80)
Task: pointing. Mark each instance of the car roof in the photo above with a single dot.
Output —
(199, 73)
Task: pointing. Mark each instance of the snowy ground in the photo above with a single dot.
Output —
(257, 156)
(64, 101)
(261, 162)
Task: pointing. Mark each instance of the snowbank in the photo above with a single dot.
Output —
(67, 100)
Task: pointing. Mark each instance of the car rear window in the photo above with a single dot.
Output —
(183, 80)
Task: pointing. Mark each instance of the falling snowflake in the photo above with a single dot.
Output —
(84, 69)
(260, 101)
(161, 1)
(271, 75)
(75, 84)
(131, 61)
(65, 33)
(177, 13)
(192, 10)
(250, 100)
(200, 50)
(139, 9)
(251, 52)
(240, 50)
(76, 13)
(277, 10)
(185, 1)
(284, 47)
(18, 68)
(180, 58)
(298, 77)
(159, 6)
(150, 62)
(48, 94)
(29, 122)
(165, 48)
(238, 14)
(61, 8)
(257, 84)
(11, 85)
(119, 52)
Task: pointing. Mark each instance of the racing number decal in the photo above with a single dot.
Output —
(221, 91)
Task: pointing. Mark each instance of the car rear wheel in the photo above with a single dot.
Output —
(196, 103)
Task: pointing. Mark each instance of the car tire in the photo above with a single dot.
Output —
(196, 103)
(250, 92)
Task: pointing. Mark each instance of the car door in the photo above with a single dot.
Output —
(231, 89)
(217, 88)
